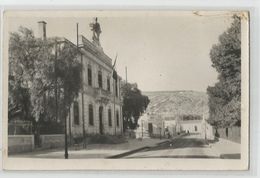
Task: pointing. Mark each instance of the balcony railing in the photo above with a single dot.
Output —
(101, 92)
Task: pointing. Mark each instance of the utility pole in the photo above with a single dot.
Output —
(114, 83)
(114, 78)
(82, 90)
(205, 127)
(126, 74)
(142, 129)
(66, 154)
(56, 81)
(70, 126)
(66, 140)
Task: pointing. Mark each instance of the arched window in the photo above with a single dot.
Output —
(76, 113)
(90, 114)
(108, 84)
(99, 79)
(109, 118)
(89, 75)
(117, 118)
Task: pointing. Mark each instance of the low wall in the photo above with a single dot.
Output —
(232, 134)
(20, 143)
(52, 141)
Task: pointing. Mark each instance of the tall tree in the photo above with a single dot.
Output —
(134, 104)
(225, 96)
(41, 69)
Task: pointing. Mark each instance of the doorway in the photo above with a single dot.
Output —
(101, 120)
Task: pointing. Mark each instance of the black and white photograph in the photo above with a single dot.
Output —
(126, 90)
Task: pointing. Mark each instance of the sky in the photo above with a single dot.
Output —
(161, 52)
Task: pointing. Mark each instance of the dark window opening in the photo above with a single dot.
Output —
(195, 128)
(90, 114)
(117, 118)
(99, 79)
(76, 113)
(108, 84)
(101, 127)
(109, 118)
(89, 76)
(116, 89)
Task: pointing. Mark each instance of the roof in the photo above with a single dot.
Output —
(94, 50)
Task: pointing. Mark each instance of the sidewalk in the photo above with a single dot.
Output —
(93, 150)
(227, 149)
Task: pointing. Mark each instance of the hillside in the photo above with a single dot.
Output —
(177, 102)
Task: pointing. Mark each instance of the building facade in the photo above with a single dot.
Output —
(98, 109)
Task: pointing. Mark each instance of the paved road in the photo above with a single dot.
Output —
(92, 150)
(191, 146)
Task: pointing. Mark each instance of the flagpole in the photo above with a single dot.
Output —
(114, 103)
(114, 87)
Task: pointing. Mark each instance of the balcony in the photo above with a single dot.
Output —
(102, 95)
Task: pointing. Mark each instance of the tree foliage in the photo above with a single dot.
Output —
(225, 96)
(42, 72)
(134, 104)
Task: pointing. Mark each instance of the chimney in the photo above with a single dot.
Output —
(42, 30)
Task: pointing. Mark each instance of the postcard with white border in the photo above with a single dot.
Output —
(125, 90)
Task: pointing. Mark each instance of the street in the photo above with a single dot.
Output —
(190, 146)
(187, 146)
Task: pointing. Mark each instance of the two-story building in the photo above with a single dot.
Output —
(98, 109)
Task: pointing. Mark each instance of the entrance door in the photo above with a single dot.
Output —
(101, 120)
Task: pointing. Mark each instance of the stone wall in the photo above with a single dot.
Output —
(232, 133)
(52, 141)
(20, 143)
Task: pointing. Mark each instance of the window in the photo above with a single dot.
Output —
(109, 118)
(76, 113)
(195, 128)
(108, 84)
(116, 89)
(90, 114)
(117, 118)
(99, 79)
(89, 76)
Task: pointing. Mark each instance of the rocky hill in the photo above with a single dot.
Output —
(177, 102)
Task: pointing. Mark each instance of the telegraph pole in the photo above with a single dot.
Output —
(66, 154)
(114, 83)
(66, 140)
(142, 129)
(126, 74)
(82, 90)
